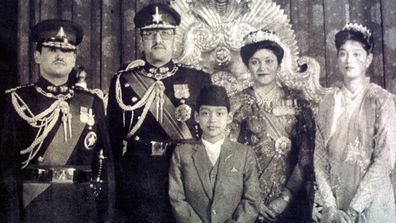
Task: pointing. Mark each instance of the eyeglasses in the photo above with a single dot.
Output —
(164, 33)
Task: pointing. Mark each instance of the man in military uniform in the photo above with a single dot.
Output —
(55, 151)
(151, 103)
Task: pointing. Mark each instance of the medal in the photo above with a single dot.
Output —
(181, 91)
(90, 140)
(86, 116)
(183, 112)
(282, 146)
(83, 114)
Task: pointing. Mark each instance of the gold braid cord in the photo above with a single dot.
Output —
(155, 92)
(45, 122)
(211, 34)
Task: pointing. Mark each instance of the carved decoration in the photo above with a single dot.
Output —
(211, 33)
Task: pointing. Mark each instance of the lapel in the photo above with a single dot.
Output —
(225, 165)
(202, 169)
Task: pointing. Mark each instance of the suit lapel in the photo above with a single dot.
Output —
(225, 164)
(202, 168)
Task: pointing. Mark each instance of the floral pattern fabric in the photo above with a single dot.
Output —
(284, 159)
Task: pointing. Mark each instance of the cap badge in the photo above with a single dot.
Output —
(61, 33)
(157, 18)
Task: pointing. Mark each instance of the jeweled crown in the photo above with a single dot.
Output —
(261, 35)
(359, 28)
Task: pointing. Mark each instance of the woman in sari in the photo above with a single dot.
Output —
(355, 138)
(269, 118)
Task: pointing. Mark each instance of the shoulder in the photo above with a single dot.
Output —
(95, 93)
(242, 98)
(377, 93)
(20, 89)
(239, 147)
(185, 149)
(192, 71)
(129, 68)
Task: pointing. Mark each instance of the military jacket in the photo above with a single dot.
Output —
(143, 178)
(56, 161)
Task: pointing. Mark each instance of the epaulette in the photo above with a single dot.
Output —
(189, 66)
(17, 88)
(95, 91)
(132, 65)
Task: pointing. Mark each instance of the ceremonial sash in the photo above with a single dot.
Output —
(276, 129)
(56, 154)
(175, 129)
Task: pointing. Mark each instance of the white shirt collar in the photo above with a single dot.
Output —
(213, 149)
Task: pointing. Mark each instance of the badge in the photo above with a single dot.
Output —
(183, 113)
(90, 140)
(181, 91)
(282, 146)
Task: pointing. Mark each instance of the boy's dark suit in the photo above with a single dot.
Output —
(232, 197)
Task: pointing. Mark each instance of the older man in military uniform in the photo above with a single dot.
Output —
(151, 103)
(55, 151)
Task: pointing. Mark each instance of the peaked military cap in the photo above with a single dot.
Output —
(157, 16)
(213, 95)
(57, 33)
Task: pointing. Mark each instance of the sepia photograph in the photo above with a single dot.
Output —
(197, 111)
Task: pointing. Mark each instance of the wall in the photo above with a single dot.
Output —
(110, 38)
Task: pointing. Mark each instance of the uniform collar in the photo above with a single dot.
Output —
(51, 88)
(159, 73)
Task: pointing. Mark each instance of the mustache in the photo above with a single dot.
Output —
(157, 45)
(59, 61)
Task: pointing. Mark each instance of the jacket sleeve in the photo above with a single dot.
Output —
(383, 157)
(322, 170)
(9, 202)
(247, 210)
(182, 210)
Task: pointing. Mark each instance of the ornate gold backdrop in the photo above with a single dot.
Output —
(111, 39)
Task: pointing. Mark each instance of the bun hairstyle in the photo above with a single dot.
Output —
(356, 32)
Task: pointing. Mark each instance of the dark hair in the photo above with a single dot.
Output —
(350, 34)
(248, 50)
(39, 45)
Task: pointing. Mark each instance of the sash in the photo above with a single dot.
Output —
(276, 129)
(57, 153)
(175, 129)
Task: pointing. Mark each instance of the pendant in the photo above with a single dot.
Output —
(183, 113)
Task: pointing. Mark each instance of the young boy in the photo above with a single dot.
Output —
(213, 180)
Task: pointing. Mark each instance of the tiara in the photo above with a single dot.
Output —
(261, 35)
(359, 28)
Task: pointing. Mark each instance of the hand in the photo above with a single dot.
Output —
(278, 205)
(316, 212)
(335, 215)
(266, 214)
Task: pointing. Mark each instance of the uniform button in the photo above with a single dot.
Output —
(40, 159)
(134, 99)
(138, 117)
(126, 85)
(137, 138)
